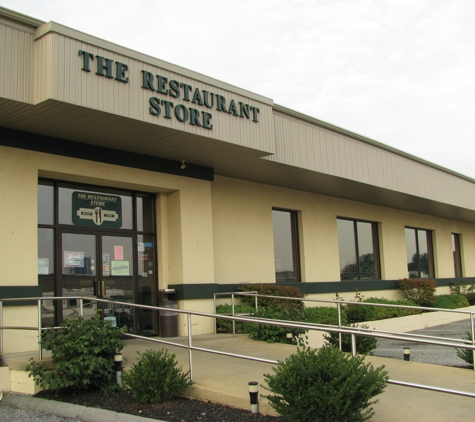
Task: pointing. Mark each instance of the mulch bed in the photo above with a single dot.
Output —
(177, 410)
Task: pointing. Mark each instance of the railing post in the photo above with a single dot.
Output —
(339, 325)
(472, 330)
(216, 319)
(190, 352)
(40, 347)
(353, 344)
(1, 327)
(232, 310)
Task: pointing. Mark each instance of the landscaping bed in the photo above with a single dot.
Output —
(176, 410)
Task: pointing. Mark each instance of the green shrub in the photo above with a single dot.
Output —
(465, 354)
(462, 288)
(226, 325)
(325, 315)
(155, 378)
(450, 301)
(272, 333)
(83, 356)
(272, 290)
(324, 386)
(358, 313)
(418, 290)
(365, 345)
(471, 298)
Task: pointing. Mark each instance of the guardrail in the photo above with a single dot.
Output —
(339, 303)
(353, 331)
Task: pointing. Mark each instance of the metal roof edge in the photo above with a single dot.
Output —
(326, 125)
(54, 27)
(20, 17)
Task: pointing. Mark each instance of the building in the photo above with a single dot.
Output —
(122, 175)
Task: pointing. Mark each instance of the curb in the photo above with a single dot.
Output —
(87, 414)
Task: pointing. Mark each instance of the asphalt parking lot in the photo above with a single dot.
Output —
(428, 353)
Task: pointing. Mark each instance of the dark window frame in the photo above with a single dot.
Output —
(375, 241)
(294, 227)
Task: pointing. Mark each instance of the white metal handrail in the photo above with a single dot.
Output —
(353, 331)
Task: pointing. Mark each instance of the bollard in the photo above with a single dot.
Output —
(288, 336)
(407, 353)
(118, 369)
(254, 395)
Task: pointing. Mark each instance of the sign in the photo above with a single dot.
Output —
(43, 266)
(91, 209)
(73, 259)
(118, 252)
(171, 98)
(120, 268)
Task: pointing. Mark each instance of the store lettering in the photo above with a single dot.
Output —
(178, 92)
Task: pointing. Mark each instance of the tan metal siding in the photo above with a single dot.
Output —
(16, 64)
(340, 155)
(62, 68)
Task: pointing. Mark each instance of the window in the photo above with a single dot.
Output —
(358, 239)
(286, 255)
(457, 254)
(420, 257)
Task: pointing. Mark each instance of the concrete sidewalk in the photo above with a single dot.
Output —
(225, 379)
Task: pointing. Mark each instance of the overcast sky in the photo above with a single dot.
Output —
(401, 72)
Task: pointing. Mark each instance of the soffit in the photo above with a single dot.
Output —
(67, 121)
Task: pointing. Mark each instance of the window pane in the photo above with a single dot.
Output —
(412, 258)
(457, 255)
(46, 278)
(346, 242)
(145, 213)
(45, 204)
(366, 250)
(285, 254)
(424, 259)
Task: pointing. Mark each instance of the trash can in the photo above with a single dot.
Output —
(168, 320)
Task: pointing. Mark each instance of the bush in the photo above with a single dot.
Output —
(272, 333)
(365, 345)
(325, 315)
(324, 386)
(225, 325)
(462, 288)
(272, 290)
(155, 378)
(83, 356)
(418, 290)
(450, 301)
(359, 313)
(471, 298)
(465, 354)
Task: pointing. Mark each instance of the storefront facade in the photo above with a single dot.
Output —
(122, 175)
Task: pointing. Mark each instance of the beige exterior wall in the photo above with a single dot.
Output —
(243, 234)
(185, 241)
(207, 232)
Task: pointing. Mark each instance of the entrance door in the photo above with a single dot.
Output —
(98, 265)
(78, 274)
(117, 279)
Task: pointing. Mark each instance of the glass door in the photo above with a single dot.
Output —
(117, 279)
(78, 274)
